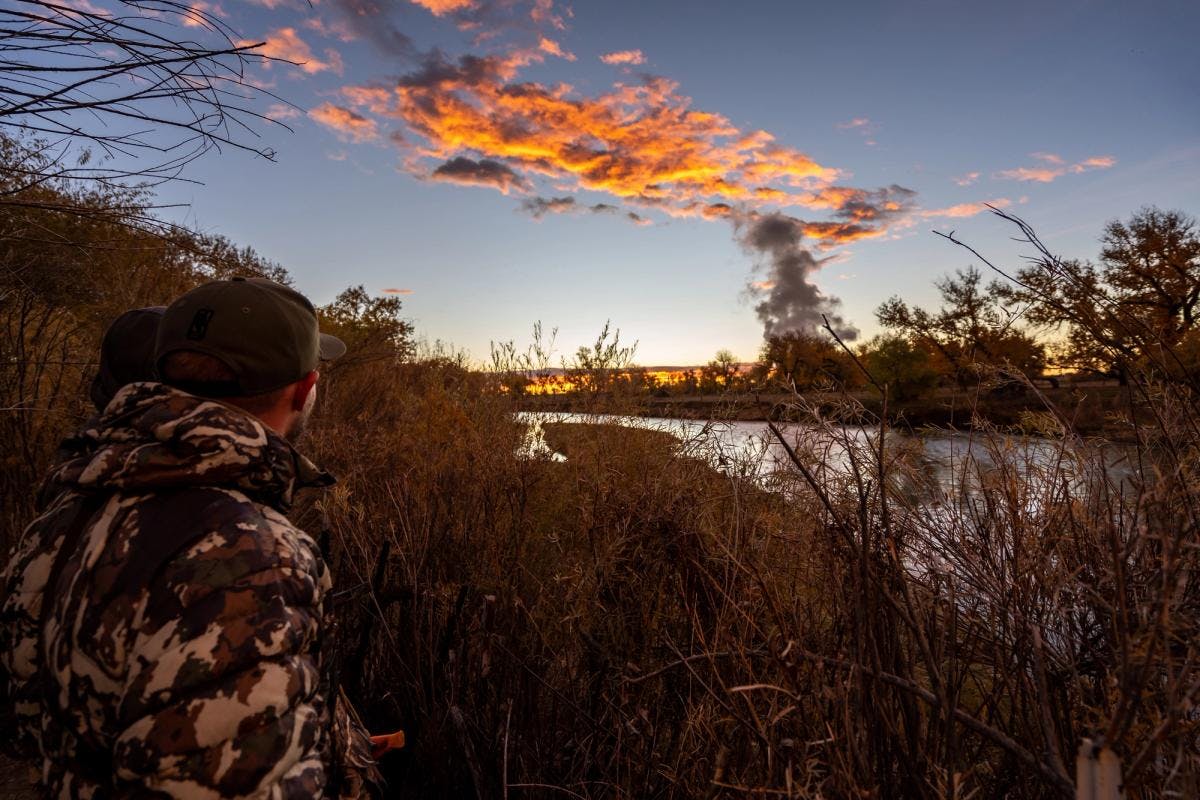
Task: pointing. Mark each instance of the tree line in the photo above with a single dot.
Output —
(1052, 317)
(1134, 309)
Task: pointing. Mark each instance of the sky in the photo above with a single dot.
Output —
(700, 174)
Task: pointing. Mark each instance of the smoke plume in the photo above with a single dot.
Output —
(789, 300)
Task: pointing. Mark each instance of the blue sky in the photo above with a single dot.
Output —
(1095, 102)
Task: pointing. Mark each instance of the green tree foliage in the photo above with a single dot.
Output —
(721, 373)
(807, 361)
(372, 327)
(1142, 296)
(909, 369)
(972, 328)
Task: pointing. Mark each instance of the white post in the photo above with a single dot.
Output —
(1097, 773)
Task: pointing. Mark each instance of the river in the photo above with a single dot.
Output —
(949, 461)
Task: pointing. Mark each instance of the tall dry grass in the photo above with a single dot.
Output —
(530, 607)
(635, 623)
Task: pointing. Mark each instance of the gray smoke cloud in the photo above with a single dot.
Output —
(790, 301)
(538, 207)
(372, 20)
(876, 205)
(484, 172)
(436, 70)
(376, 21)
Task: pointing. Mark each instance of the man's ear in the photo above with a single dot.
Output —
(303, 387)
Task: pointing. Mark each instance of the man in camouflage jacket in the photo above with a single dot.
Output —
(177, 654)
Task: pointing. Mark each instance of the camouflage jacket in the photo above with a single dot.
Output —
(183, 636)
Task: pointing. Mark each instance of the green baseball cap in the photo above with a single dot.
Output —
(265, 332)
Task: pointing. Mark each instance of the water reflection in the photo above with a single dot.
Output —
(936, 466)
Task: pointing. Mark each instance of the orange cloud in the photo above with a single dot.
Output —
(967, 179)
(542, 13)
(259, 83)
(864, 126)
(832, 234)
(1039, 174)
(397, 291)
(704, 210)
(87, 7)
(863, 214)
(376, 100)
(348, 124)
(630, 57)
(1095, 162)
(333, 28)
(286, 45)
(473, 121)
(279, 111)
(767, 193)
(862, 206)
(643, 143)
(966, 209)
(441, 7)
(1057, 170)
(200, 14)
(554, 48)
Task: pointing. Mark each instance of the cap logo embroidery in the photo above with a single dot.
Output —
(199, 327)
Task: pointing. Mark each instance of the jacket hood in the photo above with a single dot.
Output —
(152, 436)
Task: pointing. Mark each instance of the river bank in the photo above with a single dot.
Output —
(1093, 409)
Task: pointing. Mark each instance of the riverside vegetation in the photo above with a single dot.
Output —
(630, 622)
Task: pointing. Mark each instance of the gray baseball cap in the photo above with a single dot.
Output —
(265, 332)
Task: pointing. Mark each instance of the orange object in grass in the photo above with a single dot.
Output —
(386, 742)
